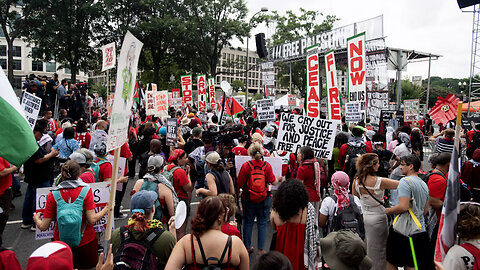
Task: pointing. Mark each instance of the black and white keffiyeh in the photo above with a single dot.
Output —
(71, 184)
(161, 179)
(311, 247)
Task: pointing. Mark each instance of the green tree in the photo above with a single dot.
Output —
(238, 84)
(62, 30)
(291, 27)
(211, 25)
(12, 23)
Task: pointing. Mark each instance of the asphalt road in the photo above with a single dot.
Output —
(23, 243)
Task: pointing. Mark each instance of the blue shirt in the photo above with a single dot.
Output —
(420, 193)
(61, 91)
(66, 147)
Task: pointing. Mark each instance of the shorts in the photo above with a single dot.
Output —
(86, 256)
(399, 252)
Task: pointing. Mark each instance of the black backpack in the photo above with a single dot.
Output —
(474, 144)
(384, 168)
(348, 218)
(353, 153)
(136, 254)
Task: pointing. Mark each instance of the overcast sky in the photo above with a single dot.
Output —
(432, 26)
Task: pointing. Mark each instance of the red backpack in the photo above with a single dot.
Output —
(257, 185)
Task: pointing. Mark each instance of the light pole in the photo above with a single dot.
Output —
(263, 9)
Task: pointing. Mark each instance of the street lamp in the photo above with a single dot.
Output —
(263, 9)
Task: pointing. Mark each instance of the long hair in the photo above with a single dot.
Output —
(255, 151)
(70, 170)
(365, 165)
(208, 211)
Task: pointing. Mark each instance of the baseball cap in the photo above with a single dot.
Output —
(196, 131)
(212, 157)
(53, 255)
(78, 157)
(155, 161)
(143, 201)
(344, 249)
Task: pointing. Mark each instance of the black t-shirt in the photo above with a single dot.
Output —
(191, 145)
(50, 84)
(37, 173)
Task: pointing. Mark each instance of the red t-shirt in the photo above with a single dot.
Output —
(105, 171)
(436, 188)
(180, 179)
(287, 161)
(306, 173)
(88, 177)
(126, 153)
(84, 139)
(52, 125)
(6, 181)
(240, 151)
(60, 130)
(88, 204)
(244, 174)
(229, 229)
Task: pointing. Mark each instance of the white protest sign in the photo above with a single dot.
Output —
(211, 91)
(356, 69)
(333, 94)
(101, 195)
(154, 87)
(187, 89)
(109, 56)
(177, 102)
(161, 103)
(313, 82)
(31, 106)
(150, 103)
(412, 109)
(352, 112)
(125, 84)
(276, 163)
(296, 131)
(265, 110)
(121, 169)
(202, 91)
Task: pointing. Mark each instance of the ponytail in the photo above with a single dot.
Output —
(255, 151)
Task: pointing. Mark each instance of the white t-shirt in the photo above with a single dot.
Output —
(400, 151)
(459, 258)
(329, 206)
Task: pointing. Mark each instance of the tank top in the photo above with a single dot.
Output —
(369, 204)
(198, 266)
(290, 242)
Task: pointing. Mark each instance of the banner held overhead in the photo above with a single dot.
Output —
(313, 82)
(187, 89)
(211, 91)
(356, 69)
(333, 94)
(202, 92)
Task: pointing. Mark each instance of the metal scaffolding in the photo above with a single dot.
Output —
(474, 85)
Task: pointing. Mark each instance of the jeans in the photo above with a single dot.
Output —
(262, 212)
(5, 202)
(29, 202)
(15, 184)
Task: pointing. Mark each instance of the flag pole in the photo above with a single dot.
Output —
(458, 126)
(111, 202)
(108, 86)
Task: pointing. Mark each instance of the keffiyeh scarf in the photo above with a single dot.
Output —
(311, 247)
(316, 168)
(163, 180)
(405, 139)
(71, 184)
(342, 195)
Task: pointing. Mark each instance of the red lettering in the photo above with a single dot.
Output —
(313, 110)
(356, 49)
(202, 104)
(335, 112)
(359, 61)
(313, 78)
(329, 60)
(357, 77)
(332, 78)
(333, 95)
(201, 91)
(313, 95)
(313, 58)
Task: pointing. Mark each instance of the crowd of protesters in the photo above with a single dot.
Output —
(325, 214)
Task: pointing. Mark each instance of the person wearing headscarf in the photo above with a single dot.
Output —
(370, 188)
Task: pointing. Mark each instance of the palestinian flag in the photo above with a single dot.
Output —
(17, 142)
(233, 106)
(136, 96)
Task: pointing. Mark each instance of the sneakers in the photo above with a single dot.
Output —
(121, 216)
(25, 226)
(33, 229)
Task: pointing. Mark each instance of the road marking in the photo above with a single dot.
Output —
(123, 211)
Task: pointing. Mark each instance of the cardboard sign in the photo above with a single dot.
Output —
(187, 89)
(161, 103)
(124, 90)
(150, 103)
(376, 101)
(356, 69)
(202, 91)
(154, 87)
(211, 92)
(268, 78)
(352, 112)
(172, 126)
(333, 94)
(411, 110)
(276, 163)
(31, 106)
(296, 131)
(313, 82)
(292, 100)
(265, 110)
(109, 56)
(101, 195)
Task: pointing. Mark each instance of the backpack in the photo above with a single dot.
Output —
(257, 185)
(153, 186)
(69, 218)
(353, 153)
(475, 253)
(8, 260)
(218, 265)
(168, 174)
(96, 169)
(136, 254)
(384, 168)
(348, 218)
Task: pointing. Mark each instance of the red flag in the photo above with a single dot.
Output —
(445, 109)
(233, 106)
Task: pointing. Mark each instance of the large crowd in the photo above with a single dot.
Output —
(341, 213)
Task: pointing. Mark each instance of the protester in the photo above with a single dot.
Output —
(82, 135)
(99, 134)
(230, 226)
(309, 172)
(470, 173)
(293, 217)
(370, 189)
(68, 145)
(272, 260)
(256, 199)
(6, 195)
(345, 250)
(84, 158)
(350, 151)
(206, 241)
(402, 149)
(218, 180)
(72, 189)
(398, 245)
(142, 227)
(155, 149)
(446, 143)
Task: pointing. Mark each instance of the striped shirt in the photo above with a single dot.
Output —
(444, 145)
